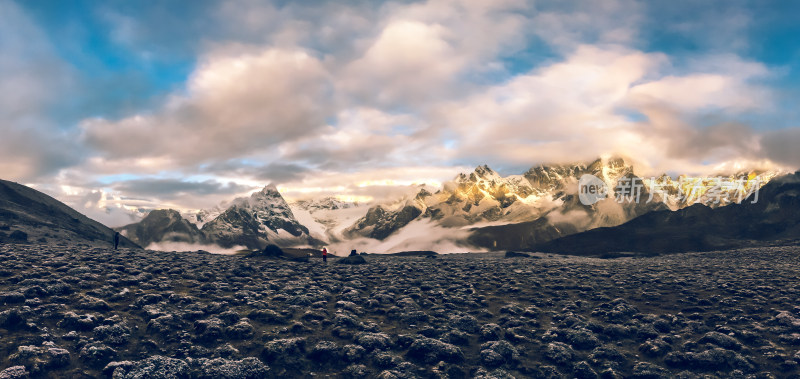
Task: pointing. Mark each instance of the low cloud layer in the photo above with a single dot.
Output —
(419, 235)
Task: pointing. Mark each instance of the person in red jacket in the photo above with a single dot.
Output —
(325, 255)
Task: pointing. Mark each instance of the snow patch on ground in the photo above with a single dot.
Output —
(304, 217)
(328, 224)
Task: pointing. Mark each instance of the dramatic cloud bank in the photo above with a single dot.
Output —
(364, 99)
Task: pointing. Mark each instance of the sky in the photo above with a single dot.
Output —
(119, 107)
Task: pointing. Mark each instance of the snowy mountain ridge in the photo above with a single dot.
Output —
(498, 211)
(264, 217)
(545, 198)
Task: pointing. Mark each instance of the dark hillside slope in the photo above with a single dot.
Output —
(774, 218)
(48, 221)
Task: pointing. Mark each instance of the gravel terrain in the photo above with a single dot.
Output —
(89, 312)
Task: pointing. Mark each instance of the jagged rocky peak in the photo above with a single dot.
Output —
(325, 203)
(422, 194)
(545, 174)
(251, 222)
(269, 200)
(610, 168)
(269, 191)
(162, 225)
(379, 223)
(481, 173)
(169, 214)
(273, 211)
(485, 172)
(549, 175)
(615, 162)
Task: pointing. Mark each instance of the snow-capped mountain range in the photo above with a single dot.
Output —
(247, 222)
(543, 202)
(481, 209)
(328, 217)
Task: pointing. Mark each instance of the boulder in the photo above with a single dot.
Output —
(352, 260)
(272, 251)
(430, 350)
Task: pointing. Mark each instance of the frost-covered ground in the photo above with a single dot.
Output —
(84, 312)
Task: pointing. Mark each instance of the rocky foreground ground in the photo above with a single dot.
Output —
(83, 312)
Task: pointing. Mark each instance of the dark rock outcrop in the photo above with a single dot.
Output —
(162, 225)
(352, 260)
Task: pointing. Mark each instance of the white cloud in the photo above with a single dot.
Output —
(701, 91)
(568, 24)
(410, 62)
(418, 235)
(31, 77)
(378, 184)
(562, 112)
(396, 93)
(238, 101)
(425, 50)
(578, 109)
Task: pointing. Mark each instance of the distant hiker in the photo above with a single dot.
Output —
(324, 254)
(353, 253)
(116, 240)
